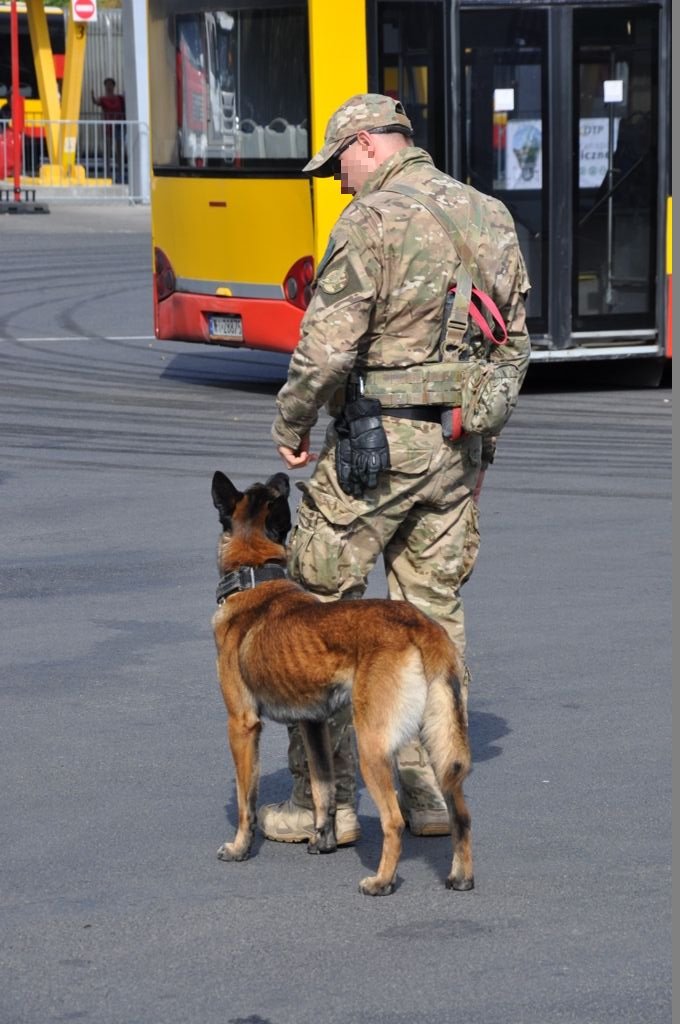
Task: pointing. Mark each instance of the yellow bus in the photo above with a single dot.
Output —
(562, 111)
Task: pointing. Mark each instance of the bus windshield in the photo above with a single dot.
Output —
(240, 90)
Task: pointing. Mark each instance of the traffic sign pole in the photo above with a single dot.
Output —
(16, 99)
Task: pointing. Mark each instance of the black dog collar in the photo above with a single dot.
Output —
(247, 577)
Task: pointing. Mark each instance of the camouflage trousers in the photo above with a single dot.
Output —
(421, 518)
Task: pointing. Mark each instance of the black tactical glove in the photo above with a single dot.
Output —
(343, 460)
(370, 450)
(343, 457)
(362, 450)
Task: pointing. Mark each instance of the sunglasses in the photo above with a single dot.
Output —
(335, 162)
(388, 129)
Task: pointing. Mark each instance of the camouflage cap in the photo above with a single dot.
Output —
(363, 112)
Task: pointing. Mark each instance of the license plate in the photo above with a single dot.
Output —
(226, 327)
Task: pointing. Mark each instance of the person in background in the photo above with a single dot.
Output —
(112, 105)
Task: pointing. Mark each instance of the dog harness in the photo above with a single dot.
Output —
(247, 577)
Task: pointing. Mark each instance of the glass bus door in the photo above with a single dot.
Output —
(503, 131)
(558, 119)
(615, 100)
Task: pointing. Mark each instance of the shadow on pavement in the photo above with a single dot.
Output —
(485, 730)
(598, 375)
(250, 371)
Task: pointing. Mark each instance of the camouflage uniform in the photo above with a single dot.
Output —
(378, 305)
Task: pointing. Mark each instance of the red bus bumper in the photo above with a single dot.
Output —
(271, 324)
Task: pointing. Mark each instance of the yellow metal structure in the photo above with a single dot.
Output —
(45, 74)
(72, 87)
(338, 69)
(60, 139)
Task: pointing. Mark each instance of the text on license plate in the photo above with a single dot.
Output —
(226, 327)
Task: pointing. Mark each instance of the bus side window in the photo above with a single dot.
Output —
(192, 91)
(280, 142)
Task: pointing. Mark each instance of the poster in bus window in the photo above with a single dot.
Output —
(594, 150)
(523, 154)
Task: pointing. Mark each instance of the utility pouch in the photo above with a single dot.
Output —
(489, 393)
(362, 451)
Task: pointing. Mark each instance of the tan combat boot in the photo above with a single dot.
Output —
(293, 820)
(420, 799)
(288, 822)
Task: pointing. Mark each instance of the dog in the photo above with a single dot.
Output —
(284, 654)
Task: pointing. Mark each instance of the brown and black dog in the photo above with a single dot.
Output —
(285, 655)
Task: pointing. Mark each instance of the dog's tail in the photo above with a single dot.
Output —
(444, 728)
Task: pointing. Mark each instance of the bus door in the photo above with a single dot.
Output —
(408, 63)
(503, 129)
(615, 206)
(558, 116)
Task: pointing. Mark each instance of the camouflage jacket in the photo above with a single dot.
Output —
(382, 284)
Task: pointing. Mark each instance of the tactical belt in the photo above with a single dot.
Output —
(425, 413)
(425, 384)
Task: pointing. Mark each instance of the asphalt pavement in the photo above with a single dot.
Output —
(117, 785)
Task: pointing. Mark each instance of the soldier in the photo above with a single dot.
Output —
(393, 484)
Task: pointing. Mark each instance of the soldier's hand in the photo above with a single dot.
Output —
(301, 457)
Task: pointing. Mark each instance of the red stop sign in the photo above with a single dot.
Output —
(84, 10)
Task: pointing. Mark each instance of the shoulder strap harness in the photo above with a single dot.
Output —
(460, 304)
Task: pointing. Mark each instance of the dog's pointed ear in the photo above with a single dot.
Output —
(278, 521)
(279, 483)
(224, 496)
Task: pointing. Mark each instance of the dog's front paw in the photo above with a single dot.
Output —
(323, 841)
(232, 851)
(372, 886)
(460, 884)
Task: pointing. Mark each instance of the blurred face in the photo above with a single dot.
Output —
(355, 162)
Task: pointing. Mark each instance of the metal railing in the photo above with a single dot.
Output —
(103, 159)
